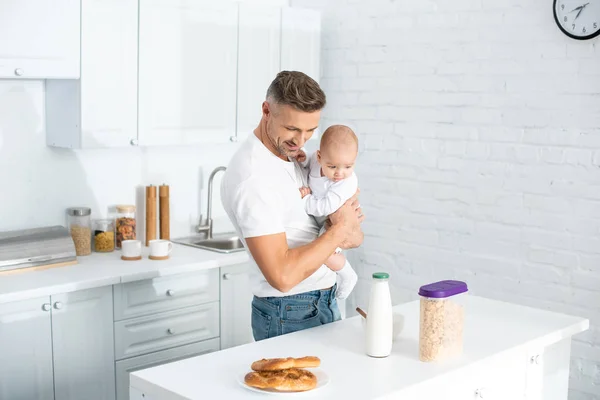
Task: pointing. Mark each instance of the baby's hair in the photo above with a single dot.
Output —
(338, 135)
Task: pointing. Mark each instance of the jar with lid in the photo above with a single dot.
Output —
(442, 318)
(104, 235)
(125, 224)
(79, 225)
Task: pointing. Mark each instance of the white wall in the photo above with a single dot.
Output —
(37, 183)
(479, 125)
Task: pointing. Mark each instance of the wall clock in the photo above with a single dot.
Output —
(578, 19)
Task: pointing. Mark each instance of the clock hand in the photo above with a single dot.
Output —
(580, 10)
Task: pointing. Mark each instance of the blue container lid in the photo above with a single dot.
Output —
(442, 289)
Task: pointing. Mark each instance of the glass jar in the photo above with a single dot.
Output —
(125, 224)
(104, 235)
(442, 318)
(79, 224)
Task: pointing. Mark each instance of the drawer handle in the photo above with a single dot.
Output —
(170, 292)
(58, 305)
(46, 306)
(231, 275)
(171, 331)
(18, 72)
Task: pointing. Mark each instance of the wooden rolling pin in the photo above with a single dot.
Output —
(150, 213)
(163, 193)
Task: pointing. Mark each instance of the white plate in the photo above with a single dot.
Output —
(322, 380)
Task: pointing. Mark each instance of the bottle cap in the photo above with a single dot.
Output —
(381, 275)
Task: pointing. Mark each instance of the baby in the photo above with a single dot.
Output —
(332, 181)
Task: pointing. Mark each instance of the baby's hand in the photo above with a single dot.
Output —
(305, 191)
(301, 157)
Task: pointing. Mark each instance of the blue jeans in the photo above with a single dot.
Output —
(275, 316)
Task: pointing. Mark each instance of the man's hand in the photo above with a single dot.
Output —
(349, 217)
(301, 157)
(305, 191)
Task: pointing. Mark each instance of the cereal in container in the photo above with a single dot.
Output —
(80, 228)
(125, 224)
(104, 235)
(442, 317)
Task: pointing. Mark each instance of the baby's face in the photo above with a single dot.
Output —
(337, 163)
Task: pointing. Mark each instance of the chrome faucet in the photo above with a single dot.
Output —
(207, 225)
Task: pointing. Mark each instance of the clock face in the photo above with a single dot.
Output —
(578, 19)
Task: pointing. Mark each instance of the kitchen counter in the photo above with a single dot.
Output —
(510, 352)
(100, 269)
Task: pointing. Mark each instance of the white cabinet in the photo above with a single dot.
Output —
(39, 39)
(301, 41)
(100, 109)
(236, 305)
(259, 60)
(187, 72)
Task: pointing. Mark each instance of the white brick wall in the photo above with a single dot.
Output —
(479, 128)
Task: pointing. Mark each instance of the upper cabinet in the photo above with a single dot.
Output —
(39, 39)
(301, 41)
(176, 72)
(259, 60)
(187, 71)
(100, 109)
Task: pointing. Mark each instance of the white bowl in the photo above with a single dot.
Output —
(397, 325)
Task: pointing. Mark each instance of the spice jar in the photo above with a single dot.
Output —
(441, 326)
(104, 235)
(125, 224)
(80, 228)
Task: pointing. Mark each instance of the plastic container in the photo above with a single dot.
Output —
(79, 224)
(104, 235)
(442, 320)
(125, 224)
(379, 330)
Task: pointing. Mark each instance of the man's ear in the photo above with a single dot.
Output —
(266, 109)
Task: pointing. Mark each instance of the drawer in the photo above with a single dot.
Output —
(146, 297)
(134, 337)
(125, 367)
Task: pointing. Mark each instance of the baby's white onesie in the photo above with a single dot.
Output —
(327, 196)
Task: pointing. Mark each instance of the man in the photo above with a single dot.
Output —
(293, 289)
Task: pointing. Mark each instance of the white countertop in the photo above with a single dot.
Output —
(99, 269)
(491, 327)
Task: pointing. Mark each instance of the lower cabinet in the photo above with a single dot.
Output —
(236, 305)
(125, 367)
(58, 347)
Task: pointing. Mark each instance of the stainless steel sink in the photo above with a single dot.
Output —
(220, 244)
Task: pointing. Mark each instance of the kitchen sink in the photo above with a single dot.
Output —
(220, 244)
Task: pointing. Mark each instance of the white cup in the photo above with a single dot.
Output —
(160, 247)
(131, 248)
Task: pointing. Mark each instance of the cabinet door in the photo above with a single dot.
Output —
(187, 71)
(39, 39)
(301, 41)
(125, 367)
(82, 335)
(26, 350)
(259, 61)
(236, 303)
(109, 72)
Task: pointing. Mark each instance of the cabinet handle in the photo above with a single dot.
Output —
(46, 306)
(171, 331)
(133, 142)
(19, 72)
(481, 393)
(58, 305)
(535, 359)
(233, 139)
(231, 275)
(170, 292)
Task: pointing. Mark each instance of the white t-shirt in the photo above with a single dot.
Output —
(260, 194)
(327, 196)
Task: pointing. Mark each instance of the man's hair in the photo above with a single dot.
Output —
(298, 90)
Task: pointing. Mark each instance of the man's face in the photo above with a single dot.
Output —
(288, 128)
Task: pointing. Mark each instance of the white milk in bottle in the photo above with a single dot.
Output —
(379, 317)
